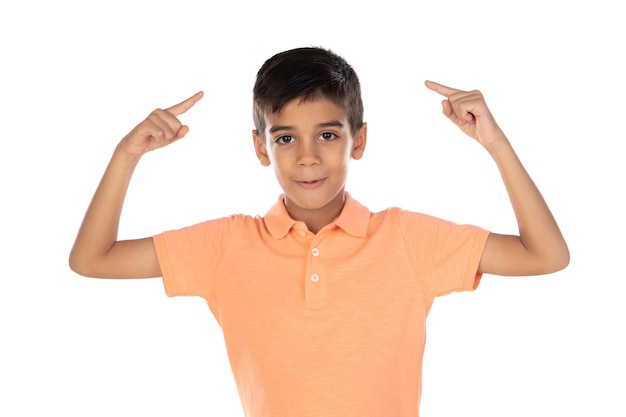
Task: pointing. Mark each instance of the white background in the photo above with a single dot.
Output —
(77, 76)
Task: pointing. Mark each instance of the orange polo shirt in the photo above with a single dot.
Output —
(326, 324)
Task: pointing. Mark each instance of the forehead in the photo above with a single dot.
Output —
(309, 112)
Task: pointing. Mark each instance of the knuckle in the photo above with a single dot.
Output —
(154, 116)
(159, 135)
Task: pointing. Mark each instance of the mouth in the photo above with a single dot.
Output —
(312, 184)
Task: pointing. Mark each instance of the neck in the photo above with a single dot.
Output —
(316, 219)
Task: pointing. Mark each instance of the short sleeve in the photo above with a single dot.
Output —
(445, 255)
(190, 257)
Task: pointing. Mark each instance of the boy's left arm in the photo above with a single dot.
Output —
(540, 247)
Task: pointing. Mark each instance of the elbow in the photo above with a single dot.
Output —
(80, 266)
(77, 267)
(563, 260)
(563, 257)
(558, 261)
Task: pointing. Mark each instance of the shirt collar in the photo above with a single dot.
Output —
(353, 219)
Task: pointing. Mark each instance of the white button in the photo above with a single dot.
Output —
(302, 233)
(315, 277)
(315, 252)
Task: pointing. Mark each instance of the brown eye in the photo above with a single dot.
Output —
(283, 140)
(327, 136)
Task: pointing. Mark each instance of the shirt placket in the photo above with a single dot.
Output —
(315, 277)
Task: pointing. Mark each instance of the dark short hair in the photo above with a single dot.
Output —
(306, 73)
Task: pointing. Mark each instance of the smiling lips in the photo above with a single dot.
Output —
(310, 184)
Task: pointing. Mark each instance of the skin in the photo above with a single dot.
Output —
(540, 247)
(309, 145)
(96, 251)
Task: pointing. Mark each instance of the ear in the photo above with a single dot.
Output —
(260, 149)
(359, 142)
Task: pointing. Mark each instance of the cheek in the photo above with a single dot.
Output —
(344, 157)
(278, 165)
(272, 157)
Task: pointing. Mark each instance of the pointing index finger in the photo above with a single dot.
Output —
(440, 88)
(185, 105)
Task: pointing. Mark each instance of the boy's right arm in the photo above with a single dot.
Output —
(96, 251)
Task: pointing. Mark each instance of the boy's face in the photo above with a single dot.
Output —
(310, 145)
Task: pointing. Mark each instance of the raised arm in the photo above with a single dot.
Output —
(96, 251)
(540, 247)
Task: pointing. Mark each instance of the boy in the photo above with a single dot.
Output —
(322, 303)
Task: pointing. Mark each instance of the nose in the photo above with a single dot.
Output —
(308, 153)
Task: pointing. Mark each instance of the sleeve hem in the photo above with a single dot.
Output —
(165, 265)
(471, 278)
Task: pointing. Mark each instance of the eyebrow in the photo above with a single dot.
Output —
(331, 123)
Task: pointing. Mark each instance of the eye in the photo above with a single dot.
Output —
(328, 136)
(285, 139)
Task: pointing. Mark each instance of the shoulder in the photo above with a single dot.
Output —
(400, 222)
(220, 224)
(413, 224)
(405, 216)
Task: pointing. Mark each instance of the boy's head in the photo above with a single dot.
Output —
(306, 73)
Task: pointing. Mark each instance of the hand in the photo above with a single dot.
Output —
(160, 129)
(469, 111)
